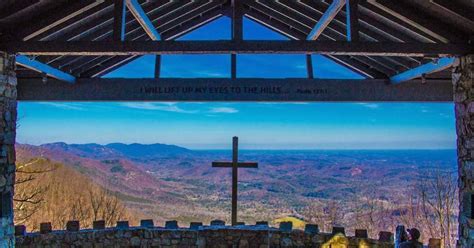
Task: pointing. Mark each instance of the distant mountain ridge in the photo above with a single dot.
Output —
(115, 150)
(140, 150)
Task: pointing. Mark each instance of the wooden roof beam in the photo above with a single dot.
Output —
(114, 89)
(44, 68)
(428, 68)
(99, 48)
(327, 17)
(140, 15)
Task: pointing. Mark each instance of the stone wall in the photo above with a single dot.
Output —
(7, 147)
(216, 235)
(463, 77)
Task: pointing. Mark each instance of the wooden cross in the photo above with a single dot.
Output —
(235, 165)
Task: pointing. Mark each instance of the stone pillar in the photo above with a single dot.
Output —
(8, 114)
(463, 77)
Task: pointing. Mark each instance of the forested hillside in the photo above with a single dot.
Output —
(47, 191)
(373, 190)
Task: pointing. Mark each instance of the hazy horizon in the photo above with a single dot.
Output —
(244, 147)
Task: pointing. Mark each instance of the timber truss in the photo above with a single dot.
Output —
(413, 42)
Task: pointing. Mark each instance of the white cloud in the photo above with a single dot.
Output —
(225, 110)
(168, 107)
(283, 103)
(175, 107)
(66, 106)
(369, 105)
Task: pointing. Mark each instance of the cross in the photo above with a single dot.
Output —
(234, 165)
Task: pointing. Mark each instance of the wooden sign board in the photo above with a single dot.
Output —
(271, 90)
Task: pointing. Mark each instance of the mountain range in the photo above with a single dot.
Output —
(171, 182)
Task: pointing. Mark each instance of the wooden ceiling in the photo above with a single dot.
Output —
(404, 21)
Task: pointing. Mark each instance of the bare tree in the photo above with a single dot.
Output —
(326, 214)
(439, 203)
(29, 193)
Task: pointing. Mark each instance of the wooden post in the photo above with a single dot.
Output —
(352, 13)
(237, 33)
(235, 156)
(157, 66)
(119, 20)
(233, 64)
(309, 66)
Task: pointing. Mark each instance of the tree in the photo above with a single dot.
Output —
(29, 193)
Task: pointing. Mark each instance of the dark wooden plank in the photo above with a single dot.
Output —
(56, 17)
(277, 90)
(90, 16)
(19, 5)
(419, 20)
(453, 7)
(99, 48)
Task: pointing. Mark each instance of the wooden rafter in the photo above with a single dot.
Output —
(55, 18)
(35, 65)
(428, 68)
(327, 17)
(142, 18)
(420, 21)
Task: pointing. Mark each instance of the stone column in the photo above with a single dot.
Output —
(8, 114)
(463, 77)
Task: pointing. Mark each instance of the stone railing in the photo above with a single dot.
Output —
(217, 234)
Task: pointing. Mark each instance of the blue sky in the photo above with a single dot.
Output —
(259, 125)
